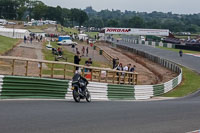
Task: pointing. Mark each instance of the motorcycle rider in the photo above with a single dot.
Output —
(82, 82)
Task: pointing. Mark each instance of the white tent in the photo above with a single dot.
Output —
(83, 37)
(14, 33)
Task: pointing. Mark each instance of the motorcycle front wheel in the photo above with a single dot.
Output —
(76, 96)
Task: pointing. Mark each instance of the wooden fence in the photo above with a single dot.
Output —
(63, 70)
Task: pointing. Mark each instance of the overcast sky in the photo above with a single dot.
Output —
(175, 6)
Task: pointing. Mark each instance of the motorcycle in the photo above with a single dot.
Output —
(79, 88)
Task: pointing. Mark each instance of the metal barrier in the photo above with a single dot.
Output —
(63, 70)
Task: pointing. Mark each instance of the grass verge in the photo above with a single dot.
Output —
(189, 85)
(177, 50)
(7, 44)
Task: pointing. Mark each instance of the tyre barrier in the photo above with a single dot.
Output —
(16, 87)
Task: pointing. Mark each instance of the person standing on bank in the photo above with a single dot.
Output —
(87, 51)
(77, 59)
(180, 53)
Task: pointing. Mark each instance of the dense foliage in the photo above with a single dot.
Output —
(159, 20)
(26, 9)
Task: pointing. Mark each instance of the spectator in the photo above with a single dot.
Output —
(31, 39)
(119, 67)
(25, 39)
(88, 63)
(77, 59)
(115, 62)
(133, 68)
(59, 51)
(41, 38)
(73, 47)
(77, 51)
(127, 68)
(83, 51)
(87, 51)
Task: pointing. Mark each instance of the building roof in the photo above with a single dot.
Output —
(36, 31)
(15, 30)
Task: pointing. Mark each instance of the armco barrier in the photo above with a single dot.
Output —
(27, 87)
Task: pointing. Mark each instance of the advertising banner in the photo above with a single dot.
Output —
(137, 31)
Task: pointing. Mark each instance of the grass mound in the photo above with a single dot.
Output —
(189, 85)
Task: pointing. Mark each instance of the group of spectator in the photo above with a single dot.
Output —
(127, 68)
(57, 51)
(85, 50)
(32, 37)
(77, 59)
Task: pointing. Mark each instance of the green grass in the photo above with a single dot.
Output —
(7, 44)
(177, 50)
(116, 36)
(190, 84)
(38, 27)
(92, 34)
(70, 58)
(69, 31)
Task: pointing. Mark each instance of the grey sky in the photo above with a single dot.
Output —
(175, 6)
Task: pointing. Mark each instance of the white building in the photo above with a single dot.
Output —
(14, 33)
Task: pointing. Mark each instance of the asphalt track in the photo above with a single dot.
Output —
(168, 116)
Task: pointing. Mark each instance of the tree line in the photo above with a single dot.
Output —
(24, 9)
(155, 20)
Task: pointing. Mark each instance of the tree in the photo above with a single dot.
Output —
(136, 22)
(113, 23)
(39, 10)
(79, 16)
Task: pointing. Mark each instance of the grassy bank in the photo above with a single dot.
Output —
(92, 34)
(177, 50)
(7, 44)
(43, 27)
(69, 31)
(189, 85)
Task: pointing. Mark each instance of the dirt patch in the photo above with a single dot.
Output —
(22, 50)
(149, 72)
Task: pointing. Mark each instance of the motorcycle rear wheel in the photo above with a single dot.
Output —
(88, 96)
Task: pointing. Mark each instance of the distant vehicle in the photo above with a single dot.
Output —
(60, 38)
(30, 23)
(25, 24)
(3, 22)
(11, 23)
(67, 42)
(92, 41)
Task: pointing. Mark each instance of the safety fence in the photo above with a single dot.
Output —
(18, 87)
(17, 66)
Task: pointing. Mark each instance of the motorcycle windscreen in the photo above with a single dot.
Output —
(76, 78)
